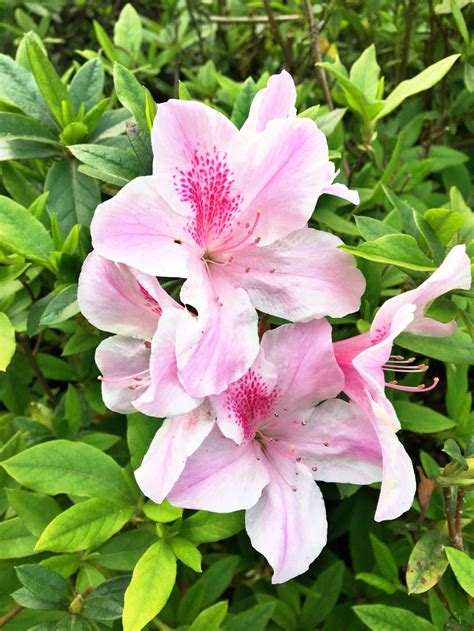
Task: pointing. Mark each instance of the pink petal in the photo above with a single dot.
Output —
(176, 440)
(187, 138)
(277, 100)
(453, 273)
(301, 277)
(221, 343)
(338, 189)
(166, 396)
(288, 527)
(117, 298)
(248, 401)
(338, 443)
(120, 359)
(432, 328)
(138, 228)
(304, 358)
(221, 476)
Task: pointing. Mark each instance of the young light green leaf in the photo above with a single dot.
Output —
(105, 42)
(7, 341)
(372, 229)
(74, 133)
(444, 222)
(460, 22)
(427, 562)
(242, 103)
(365, 73)
(204, 527)
(85, 525)
(152, 581)
(128, 31)
(422, 81)
(383, 617)
(22, 234)
(394, 249)
(63, 466)
(15, 540)
(87, 84)
(34, 509)
(211, 618)
(187, 553)
(463, 568)
(255, 618)
(131, 94)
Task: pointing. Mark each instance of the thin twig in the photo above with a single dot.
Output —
(458, 542)
(189, 5)
(10, 615)
(316, 48)
(449, 512)
(24, 342)
(252, 19)
(406, 39)
(277, 35)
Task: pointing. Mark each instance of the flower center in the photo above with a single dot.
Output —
(397, 363)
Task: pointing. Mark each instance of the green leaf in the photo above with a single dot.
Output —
(458, 348)
(122, 552)
(15, 540)
(64, 564)
(162, 513)
(85, 525)
(460, 22)
(211, 618)
(420, 419)
(394, 249)
(379, 582)
(62, 466)
(141, 430)
(445, 223)
(372, 229)
(242, 104)
(404, 210)
(325, 593)
(365, 73)
(207, 589)
(34, 509)
(23, 234)
(105, 42)
(7, 341)
(131, 94)
(204, 527)
(51, 87)
(187, 553)
(62, 307)
(327, 123)
(73, 196)
(18, 87)
(463, 568)
(384, 559)
(183, 92)
(384, 618)
(117, 166)
(106, 602)
(74, 133)
(128, 31)
(152, 581)
(422, 81)
(25, 598)
(21, 189)
(256, 618)
(427, 562)
(431, 238)
(44, 583)
(87, 84)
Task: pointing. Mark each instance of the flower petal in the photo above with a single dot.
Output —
(301, 277)
(137, 227)
(221, 343)
(338, 189)
(304, 358)
(288, 527)
(166, 396)
(176, 440)
(119, 299)
(120, 359)
(453, 273)
(221, 476)
(277, 100)
(339, 444)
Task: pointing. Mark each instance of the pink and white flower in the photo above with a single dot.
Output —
(227, 210)
(138, 364)
(364, 358)
(262, 443)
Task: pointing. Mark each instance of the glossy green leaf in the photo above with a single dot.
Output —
(44, 583)
(211, 618)
(204, 527)
(463, 568)
(87, 84)
(187, 553)
(152, 581)
(123, 551)
(131, 94)
(445, 223)
(15, 539)
(365, 73)
(458, 348)
(385, 618)
(421, 419)
(394, 249)
(62, 307)
(34, 509)
(7, 341)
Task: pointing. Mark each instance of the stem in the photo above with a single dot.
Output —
(10, 615)
(406, 39)
(458, 542)
(253, 19)
(277, 35)
(315, 47)
(189, 5)
(449, 513)
(24, 342)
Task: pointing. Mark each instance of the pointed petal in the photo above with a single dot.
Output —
(221, 476)
(277, 100)
(301, 277)
(341, 190)
(339, 444)
(120, 359)
(176, 440)
(138, 228)
(166, 396)
(221, 343)
(288, 527)
(304, 358)
(453, 273)
(119, 299)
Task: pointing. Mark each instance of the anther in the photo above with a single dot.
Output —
(257, 240)
(314, 468)
(298, 458)
(247, 270)
(147, 344)
(293, 488)
(272, 270)
(100, 378)
(326, 444)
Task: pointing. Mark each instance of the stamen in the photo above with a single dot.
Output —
(421, 388)
(227, 245)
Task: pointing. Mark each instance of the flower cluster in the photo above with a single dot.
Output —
(250, 424)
